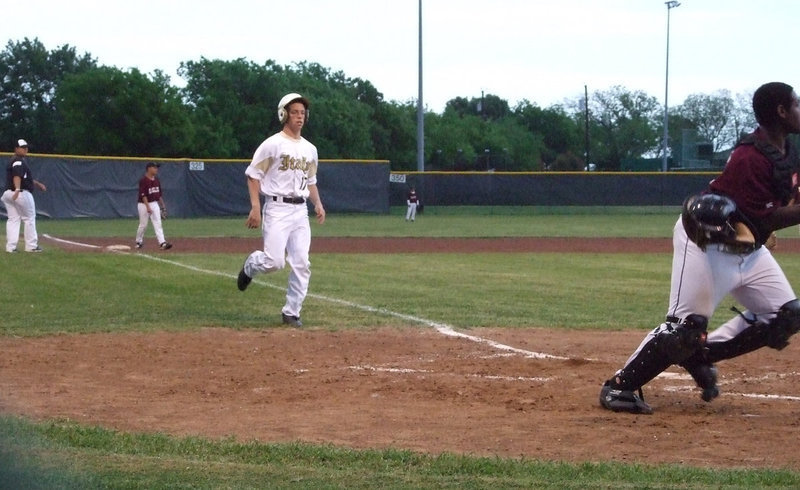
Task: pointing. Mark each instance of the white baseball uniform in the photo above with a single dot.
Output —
(285, 167)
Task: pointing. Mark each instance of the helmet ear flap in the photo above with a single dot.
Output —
(282, 115)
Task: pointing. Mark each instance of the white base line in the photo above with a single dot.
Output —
(426, 371)
(68, 242)
(676, 389)
(442, 328)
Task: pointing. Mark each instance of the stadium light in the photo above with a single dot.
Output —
(670, 5)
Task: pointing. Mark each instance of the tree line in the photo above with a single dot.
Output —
(65, 102)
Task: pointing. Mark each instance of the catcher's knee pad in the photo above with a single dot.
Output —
(785, 324)
(671, 344)
(679, 342)
(774, 333)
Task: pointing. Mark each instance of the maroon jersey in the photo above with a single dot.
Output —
(751, 180)
(150, 189)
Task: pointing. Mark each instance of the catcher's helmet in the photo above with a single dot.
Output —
(288, 99)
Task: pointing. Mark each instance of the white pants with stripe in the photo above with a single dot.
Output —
(701, 280)
(155, 217)
(22, 210)
(287, 239)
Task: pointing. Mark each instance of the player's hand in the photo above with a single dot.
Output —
(772, 241)
(320, 211)
(253, 219)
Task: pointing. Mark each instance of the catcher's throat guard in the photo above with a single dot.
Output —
(712, 218)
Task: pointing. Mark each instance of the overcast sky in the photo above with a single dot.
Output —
(544, 51)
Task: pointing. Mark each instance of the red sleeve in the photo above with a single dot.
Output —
(142, 189)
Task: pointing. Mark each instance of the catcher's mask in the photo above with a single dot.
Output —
(708, 218)
(287, 99)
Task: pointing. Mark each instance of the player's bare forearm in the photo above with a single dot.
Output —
(40, 185)
(319, 209)
(254, 217)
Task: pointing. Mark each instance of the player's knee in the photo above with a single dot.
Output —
(680, 341)
(785, 324)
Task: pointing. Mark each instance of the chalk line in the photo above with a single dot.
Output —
(442, 328)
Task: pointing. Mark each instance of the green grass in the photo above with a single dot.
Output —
(62, 454)
(439, 222)
(58, 292)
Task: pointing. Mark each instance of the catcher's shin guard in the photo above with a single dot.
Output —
(670, 344)
(774, 333)
(704, 374)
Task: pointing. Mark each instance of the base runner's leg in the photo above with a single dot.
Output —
(297, 249)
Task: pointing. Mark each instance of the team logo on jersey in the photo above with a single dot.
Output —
(289, 162)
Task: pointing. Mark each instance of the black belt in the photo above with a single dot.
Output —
(737, 248)
(289, 200)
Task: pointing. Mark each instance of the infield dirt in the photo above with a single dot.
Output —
(410, 388)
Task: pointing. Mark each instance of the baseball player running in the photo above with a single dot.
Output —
(18, 199)
(719, 248)
(151, 207)
(284, 170)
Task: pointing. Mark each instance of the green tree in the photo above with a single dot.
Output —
(106, 111)
(713, 116)
(29, 77)
(455, 141)
(490, 107)
(623, 124)
(560, 133)
(233, 104)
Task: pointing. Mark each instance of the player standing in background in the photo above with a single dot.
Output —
(411, 202)
(719, 248)
(151, 207)
(18, 199)
(284, 169)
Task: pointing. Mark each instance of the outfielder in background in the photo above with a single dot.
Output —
(412, 201)
(284, 170)
(18, 199)
(151, 207)
(721, 245)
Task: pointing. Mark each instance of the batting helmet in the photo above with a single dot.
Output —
(288, 99)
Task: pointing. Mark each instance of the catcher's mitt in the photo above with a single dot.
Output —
(163, 213)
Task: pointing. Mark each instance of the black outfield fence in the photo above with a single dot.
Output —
(103, 187)
(549, 188)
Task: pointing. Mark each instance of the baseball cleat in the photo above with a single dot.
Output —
(243, 280)
(291, 320)
(139, 245)
(35, 250)
(623, 400)
(165, 246)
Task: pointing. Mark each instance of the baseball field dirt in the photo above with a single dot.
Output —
(411, 388)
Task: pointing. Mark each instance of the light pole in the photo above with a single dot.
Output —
(420, 106)
(670, 5)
